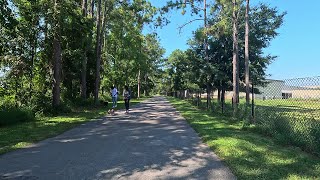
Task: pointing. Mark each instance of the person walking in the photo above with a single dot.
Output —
(126, 97)
(114, 94)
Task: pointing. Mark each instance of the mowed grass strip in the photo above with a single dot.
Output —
(23, 134)
(249, 155)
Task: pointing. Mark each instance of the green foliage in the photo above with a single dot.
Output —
(27, 31)
(80, 102)
(61, 109)
(11, 115)
(190, 70)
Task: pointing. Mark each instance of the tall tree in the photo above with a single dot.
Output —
(195, 9)
(92, 8)
(246, 55)
(84, 58)
(98, 55)
(206, 53)
(235, 61)
(56, 55)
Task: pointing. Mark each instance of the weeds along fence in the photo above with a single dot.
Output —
(287, 110)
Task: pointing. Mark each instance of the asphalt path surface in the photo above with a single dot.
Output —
(152, 142)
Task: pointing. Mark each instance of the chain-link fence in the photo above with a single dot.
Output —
(287, 110)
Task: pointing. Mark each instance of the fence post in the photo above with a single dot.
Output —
(252, 104)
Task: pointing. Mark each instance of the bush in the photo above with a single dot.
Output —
(61, 109)
(41, 103)
(80, 102)
(107, 98)
(9, 116)
(7, 102)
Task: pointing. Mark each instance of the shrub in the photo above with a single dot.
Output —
(106, 98)
(41, 103)
(61, 109)
(9, 116)
(7, 102)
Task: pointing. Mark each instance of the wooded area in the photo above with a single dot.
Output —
(59, 58)
(57, 54)
(233, 64)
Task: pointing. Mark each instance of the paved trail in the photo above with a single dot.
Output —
(152, 142)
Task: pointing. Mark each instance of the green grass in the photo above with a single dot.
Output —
(291, 108)
(23, 134)
(289, 121)
(249, 155)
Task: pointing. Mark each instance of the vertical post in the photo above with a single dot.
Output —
(252, 104)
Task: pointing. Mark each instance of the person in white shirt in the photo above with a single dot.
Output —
(114, 95)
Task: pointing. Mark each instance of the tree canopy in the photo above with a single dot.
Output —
(54, 52)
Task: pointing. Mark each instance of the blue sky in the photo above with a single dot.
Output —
(296, 46)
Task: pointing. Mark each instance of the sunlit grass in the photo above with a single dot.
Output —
(23, 134)
(249, 155)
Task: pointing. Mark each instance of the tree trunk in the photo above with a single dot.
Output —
(92, 8)
(16, 90)
(84, 7)
(98, 53)
(139, 73)
(33, 56)
(145, 88)
(198, 98)
(102, 37)
(84, 59)
(247, 55)
(103, 24)
(219, 95)
(252, 105)
(235, 99)
(206, 52)
(56, 71)
(223, 96)
(56, 58)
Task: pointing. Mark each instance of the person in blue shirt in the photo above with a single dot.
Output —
(114, 96)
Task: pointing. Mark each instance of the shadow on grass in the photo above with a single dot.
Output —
(249, 155)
